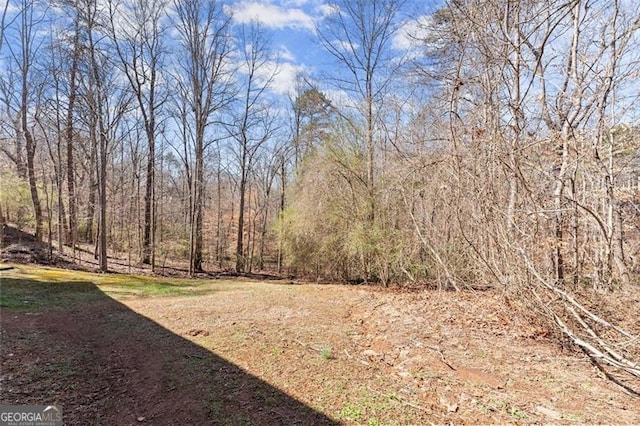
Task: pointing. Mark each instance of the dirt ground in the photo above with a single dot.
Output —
(254, 352)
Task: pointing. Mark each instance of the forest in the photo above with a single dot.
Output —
(498, 151)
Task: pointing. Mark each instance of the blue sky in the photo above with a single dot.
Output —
(291, 24)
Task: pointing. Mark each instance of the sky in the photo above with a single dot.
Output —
(291, 25)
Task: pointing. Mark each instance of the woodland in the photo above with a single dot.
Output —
(499, 152)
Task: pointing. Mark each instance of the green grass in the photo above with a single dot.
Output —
(351, 412)
(37, 288)
(518, 413)
(325, 353)
(21, 293)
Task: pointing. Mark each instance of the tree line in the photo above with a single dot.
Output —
(135, 116)
(151, 128)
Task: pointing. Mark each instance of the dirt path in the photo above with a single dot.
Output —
(270, 353)
(109, 365)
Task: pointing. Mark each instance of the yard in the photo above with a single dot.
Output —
(121, 349)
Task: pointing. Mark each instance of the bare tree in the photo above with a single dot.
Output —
(359, 34)
(49, 117)
(106, 105)
(69, 132)
(532, 156)
(29, 46)
(254, 123)
(204, 86)
(3, 23)
(137, 32)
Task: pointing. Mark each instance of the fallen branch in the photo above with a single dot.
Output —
(624, 388)
(444, 361)
(633, 368)
(597, 349)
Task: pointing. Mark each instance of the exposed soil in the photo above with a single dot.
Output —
(17, 246)
(107, 364)
(272, 353)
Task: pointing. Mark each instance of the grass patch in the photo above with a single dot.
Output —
(20, 293)
(351, 412)
(517, 413)
(325, 353)
(38, 288)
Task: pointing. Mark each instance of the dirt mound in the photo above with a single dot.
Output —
(12, 236)
(17, 246)
(21, 247)
(23, 253)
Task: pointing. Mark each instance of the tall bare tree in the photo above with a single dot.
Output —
(359, 35)
(254, 122)
(203, 83)
(28, 50)
(69, 131)
(105, 104)
(137, 35)
(50, 119)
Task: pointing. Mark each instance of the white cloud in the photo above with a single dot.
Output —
(294, 3)
(281, 76)
(346, 46)
(340, 98)
(284, 81)
(411, 33)
(326, 9)
(273, 15)
(285, 54)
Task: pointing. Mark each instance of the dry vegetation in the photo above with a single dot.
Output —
(117, 349)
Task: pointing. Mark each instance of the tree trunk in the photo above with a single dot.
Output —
(149, 223)
(30, 145)
(102, 180)
(73, 222)
(33, 189)
(197, 209)
(263, 232)
(219, 217)
(62, 224)
(240, 235)
(281, 214)
(18, 158)
(91, 203)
